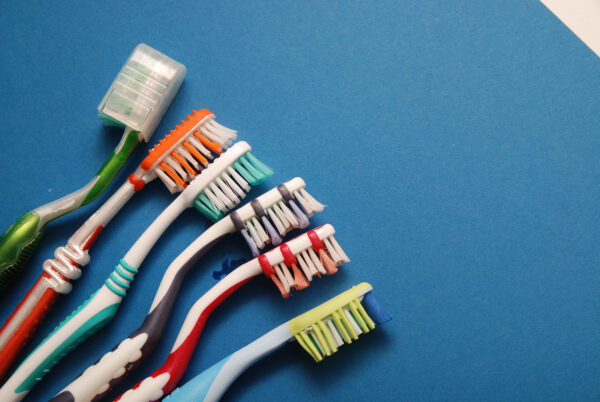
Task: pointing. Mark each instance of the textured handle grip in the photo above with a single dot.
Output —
(93, 314)
(17, 245)
(22, 325)
(98, 379)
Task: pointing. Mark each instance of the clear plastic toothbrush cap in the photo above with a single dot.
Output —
(143, 90)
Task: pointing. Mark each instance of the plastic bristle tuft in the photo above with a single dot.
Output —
(299, 270)
(322, 330)
(228, 190)
(279, 218)
(187, 151)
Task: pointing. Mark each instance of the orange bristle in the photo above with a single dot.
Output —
(173, 137)
(213, 146)
(277, 283)
(300, 282)
(183, 163)
(195, 153)
(172, 174)
(327, 262)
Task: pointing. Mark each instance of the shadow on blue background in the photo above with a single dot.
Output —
(456, 145)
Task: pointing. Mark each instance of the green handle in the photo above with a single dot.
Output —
(17, 245)
(113, 164)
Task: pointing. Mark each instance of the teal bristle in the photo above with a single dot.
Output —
(250, 169)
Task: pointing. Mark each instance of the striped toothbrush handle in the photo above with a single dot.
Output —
(99, 379)
(211, 384)
(88, 318)
(23, 322)
(21, 240)
(164, 379)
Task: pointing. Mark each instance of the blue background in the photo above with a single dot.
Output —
(456, 144)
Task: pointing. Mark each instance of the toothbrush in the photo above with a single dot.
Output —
(175, 160)
(314, 253)
(137, 101)
(320, 331)
(229, 178)
(265, 220)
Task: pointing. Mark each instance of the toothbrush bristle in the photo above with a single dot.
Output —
(188, 149)
(342, 325)
(271, 223)
(229, 189)
(297, 270)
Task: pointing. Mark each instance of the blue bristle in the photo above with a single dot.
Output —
(375, 310)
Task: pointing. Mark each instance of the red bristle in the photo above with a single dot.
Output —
(327, 262)
(284, 294)
(300, 282)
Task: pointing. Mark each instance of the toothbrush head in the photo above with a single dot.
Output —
(294, 264)
(188, 149)
(268, 218)
(225, 183)
(142, 92)
(322, 330)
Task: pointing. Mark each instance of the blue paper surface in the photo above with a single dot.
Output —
(455, 143)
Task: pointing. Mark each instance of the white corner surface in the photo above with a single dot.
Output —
(580, 16)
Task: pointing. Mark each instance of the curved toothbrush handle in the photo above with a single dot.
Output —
(18, 244)
(100, 378)
(211, 384)
(93, 314)
(22, 324)
(164, 379)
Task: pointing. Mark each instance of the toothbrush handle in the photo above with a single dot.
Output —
(22, 324)
(99, 379)
(20, 241)
(164, 379)
(88, 318)
(211, 384)
(18, 244)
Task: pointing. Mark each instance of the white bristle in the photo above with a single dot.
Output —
(289, 215)
(257, 239)
(353, 323)
(173, 164)
(213, 135)
(233, 185)
(231, 133)
(339, 249)
(201, 148)
(287, 275)
(168, 182)
(221, 196)
(276, 221)
(304, 266)
(261, 231)
(282, 278)
(224, 187)
(189, 158)
(334, 256)
(214, 199)
(315, 205)
(239, 179)
(282, 217)
(185, 147)
(304, 204)
(318, 264)
(334, 332)
(309, 263)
